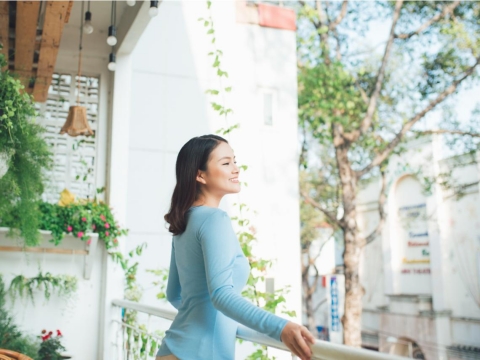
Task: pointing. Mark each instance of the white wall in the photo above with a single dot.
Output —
(78, 317)
(171, 71)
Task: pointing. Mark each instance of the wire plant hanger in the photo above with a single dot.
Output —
(77, 123)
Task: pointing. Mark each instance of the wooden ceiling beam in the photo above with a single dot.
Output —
(4, 23)
(55, 18)
(25, 35)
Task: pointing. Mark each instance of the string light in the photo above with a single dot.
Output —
(111, 61)
(112, 30)
(153, 11)
(87, 26)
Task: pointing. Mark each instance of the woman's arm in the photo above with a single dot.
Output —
(220, 247)
(173, 284)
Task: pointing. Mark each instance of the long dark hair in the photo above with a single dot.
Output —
(193, 156)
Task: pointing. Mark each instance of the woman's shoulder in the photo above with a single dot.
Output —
(205, 216)
(203, 213)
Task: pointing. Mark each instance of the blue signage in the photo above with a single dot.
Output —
(334, 318)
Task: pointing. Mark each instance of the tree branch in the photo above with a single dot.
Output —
(318, 206)
(408, 125)
(381, 212)
(445, 131)
(367, 120)
(324, 300)
(340, 16)
(446, 10)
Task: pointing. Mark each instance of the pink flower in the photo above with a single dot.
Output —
(103, 217)
(107, 225)
(107, 233)
(115, 241)
(94, 227)
(84, 219)
(69, 228)
(80, 234)
(89, 241)
(59, 333)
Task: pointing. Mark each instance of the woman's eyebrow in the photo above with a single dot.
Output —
(226, 157)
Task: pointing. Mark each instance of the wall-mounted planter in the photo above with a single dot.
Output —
(70, 245)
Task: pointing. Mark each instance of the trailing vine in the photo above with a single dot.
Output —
(27, 153)
(246, 232)
(24, 287)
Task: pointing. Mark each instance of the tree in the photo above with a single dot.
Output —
(361, 108)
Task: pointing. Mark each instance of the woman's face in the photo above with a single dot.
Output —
(222, 172)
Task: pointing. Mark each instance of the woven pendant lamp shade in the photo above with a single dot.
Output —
(77, 123)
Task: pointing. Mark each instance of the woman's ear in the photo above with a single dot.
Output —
(200, 178)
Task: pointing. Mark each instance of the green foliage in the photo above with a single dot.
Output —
(10, 335)
(62, 285)
(258, 267)
(161, 283)
(78, 219)
(362, 99)
(28, 157)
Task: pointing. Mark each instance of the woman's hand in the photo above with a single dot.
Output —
(295, 337)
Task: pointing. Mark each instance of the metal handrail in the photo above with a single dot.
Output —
(322, 350)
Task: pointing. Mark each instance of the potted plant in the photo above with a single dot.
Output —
(51, 346)
(24, 157)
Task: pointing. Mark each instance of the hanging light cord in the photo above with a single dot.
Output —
(80, 47)
(113, 15)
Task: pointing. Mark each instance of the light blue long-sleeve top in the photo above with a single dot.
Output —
(208, 271)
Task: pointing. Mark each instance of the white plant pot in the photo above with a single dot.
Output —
(3, 164)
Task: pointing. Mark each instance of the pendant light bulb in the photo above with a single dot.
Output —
(153, 11)
(112, 65)
(131, 2)
(87, 26)
(112, 36)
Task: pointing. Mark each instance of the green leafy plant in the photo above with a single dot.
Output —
(80, 219)
(28, 157)
(62, 285)
(51, 346)
(10, 335)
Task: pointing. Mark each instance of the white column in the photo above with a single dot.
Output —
(117, 170)
(436, 213)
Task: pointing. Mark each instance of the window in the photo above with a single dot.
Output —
(74, 158)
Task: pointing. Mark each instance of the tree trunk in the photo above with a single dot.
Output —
(352, 317)
(308, 299)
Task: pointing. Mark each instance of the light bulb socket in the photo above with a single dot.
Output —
(112, 58)
(88, 16)
(112, 31)
(154, 4)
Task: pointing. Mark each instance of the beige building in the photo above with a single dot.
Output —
(422, 276)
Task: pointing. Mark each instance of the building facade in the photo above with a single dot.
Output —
(422, 276)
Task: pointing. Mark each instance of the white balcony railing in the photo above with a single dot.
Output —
(322, 350)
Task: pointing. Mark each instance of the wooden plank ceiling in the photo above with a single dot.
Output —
(30, 32)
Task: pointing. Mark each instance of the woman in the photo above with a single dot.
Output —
(208, 269)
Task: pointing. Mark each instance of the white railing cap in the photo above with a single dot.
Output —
(323, 350)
